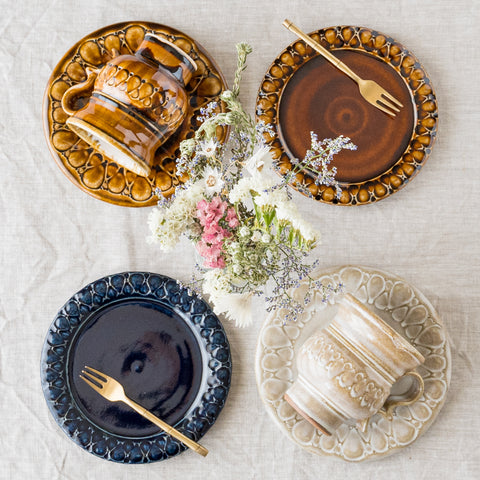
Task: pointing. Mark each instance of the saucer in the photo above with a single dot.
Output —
(87, 168)
(167, 349)
(406, 310)
(302, 92)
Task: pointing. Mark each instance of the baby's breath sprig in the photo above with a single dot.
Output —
(317, 160)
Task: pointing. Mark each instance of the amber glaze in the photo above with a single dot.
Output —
(86, 167)
(138, 101)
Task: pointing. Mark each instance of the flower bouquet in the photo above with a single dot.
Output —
(248, 233)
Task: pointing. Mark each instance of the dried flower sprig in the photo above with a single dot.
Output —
(249, 234)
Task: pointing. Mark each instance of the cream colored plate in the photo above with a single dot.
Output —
(407, 311)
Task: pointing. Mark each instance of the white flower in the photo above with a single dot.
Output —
(212, 180)
(272, 197)
(288, 211)
(256, 237)
(216, 283)
(244, 231)
(236, 306)
(226, 95)
(208, 148)
(241, 192)
(308, 232)
(155, 219)
(266, 238)
(260, 161)
(168, 223)
(234, 246)
(237, 269)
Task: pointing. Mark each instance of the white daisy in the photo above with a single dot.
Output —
(212, 179)
(208, 148)
(260, 161)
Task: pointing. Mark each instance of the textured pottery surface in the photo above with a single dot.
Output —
(302, 92)
(87, 168)
(345, 372)
(168, 350)
(402, 307)
(137, 102)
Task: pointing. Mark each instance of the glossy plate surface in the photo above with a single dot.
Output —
(302, 92)
(167, 349)
(87, 168)
(407, 311)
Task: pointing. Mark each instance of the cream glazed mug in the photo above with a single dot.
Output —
(346, 371)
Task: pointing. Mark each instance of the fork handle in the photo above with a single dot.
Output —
(167, 428)
(322, 51)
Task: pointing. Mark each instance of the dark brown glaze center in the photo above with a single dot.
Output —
(322, 99)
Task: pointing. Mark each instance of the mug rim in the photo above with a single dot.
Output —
(381, 325)
(160, 39)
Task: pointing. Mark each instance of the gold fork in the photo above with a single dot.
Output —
(371, 91)
(112, 390)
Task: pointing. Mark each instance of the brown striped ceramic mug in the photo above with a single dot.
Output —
(346, 371)
(136, 103)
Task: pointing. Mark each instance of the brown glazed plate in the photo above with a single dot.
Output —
(87, 168)
(302, 92)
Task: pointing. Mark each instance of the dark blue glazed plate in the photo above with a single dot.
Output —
(165, 346)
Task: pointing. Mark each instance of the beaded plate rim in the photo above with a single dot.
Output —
(76, 312)
(384, 48)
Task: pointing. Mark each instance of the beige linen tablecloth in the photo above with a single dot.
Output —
(55, 238)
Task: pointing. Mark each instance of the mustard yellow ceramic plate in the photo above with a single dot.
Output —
(88, 169)
(302, 92)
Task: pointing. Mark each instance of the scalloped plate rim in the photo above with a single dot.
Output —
(316, 450)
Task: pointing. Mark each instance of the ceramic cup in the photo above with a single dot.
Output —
(346, 371)
(136, 102)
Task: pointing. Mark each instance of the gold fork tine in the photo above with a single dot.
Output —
(393, 99)
(384, 109)
(387, 104)
(100, 375)
(89, 382)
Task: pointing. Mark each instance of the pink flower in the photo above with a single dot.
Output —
(215, 234)
(232, 218)
(211, 212)
(219, 262)
(212, 255)
(211, 243)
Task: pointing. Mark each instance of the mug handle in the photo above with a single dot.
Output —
(392, 402)
(408, 398)
(77, 90)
